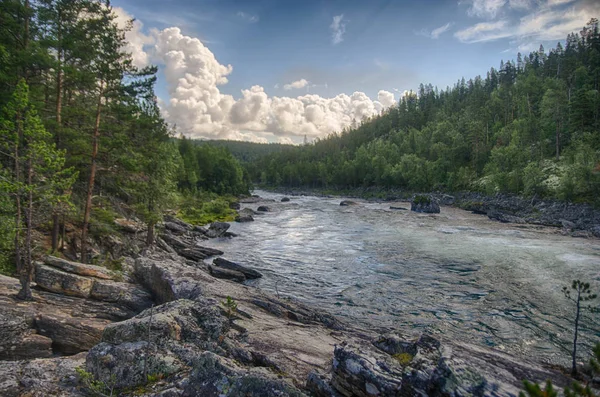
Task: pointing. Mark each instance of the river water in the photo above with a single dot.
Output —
(455, 274)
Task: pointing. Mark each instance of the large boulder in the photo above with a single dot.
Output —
(159, 341)
(128, 364)
(126, 294)
(285, 199)
(41, 377)
(357, 375)
(424, 203)
(217, 229)
(79, 268)
(18, 341)
(170, 280)
(60, 282)
(175, 227)
(263, 208)
(71, 334)
(347, 203)
(214, 375)
(246, 271)
(183, 320)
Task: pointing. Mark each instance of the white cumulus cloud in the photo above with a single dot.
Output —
(296, 84)
(199, 109)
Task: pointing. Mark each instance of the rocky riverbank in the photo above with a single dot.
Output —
(576, 219)
(171, 324)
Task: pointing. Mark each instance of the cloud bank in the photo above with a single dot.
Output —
(545, 20)
(199, 109)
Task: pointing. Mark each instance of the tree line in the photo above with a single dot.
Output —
(81, 130)
(531, 127)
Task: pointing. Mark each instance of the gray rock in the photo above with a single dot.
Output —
(41, 378)
(250, 200)
(129, 225)
(214, 375)
(217, 229)
(126, 294)
(347, 203)
(71, 334)
(263, 208)
(169, 280)
(244, 218)
(425, 204)
(199, 322)
(234, 206)
(127, 364)
(60, 282)
(175, 227)
(79, 268)
(355, 375)
(227, 274)
(320, 385)
(595, 231)
(225, 264)
(393, 207)
(285, 199)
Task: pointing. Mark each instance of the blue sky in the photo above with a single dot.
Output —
(326, 49)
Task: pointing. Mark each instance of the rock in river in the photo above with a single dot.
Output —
(217, 229)
(220, 272)
(426, 204)
(247, 272)
(285, 199)
(263, 208)
(347, 203)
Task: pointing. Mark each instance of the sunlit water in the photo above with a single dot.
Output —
(455, 274)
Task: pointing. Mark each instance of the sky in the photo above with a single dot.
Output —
(280, 70)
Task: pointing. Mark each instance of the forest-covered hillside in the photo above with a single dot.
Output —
(531, 127)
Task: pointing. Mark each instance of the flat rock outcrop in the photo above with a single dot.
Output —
(246, 271)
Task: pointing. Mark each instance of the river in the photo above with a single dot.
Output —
(455, 274)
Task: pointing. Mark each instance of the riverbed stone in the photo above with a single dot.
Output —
(347, 203)
(246, 271)
(217, 229)
(263, 208)
(425, 204)
(227, 274)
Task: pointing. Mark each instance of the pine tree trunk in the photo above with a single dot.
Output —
(18, 259)
(150, 234)
(90, 191)
(59, 89)
(55, 231)
(27, 271)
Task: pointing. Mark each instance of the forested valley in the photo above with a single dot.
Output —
(531, 127)
(82, 140)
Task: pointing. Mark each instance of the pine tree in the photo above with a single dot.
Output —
(38, 172)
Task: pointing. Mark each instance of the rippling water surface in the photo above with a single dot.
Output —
(457, 274)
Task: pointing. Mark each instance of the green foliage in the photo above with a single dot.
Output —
(230, 306)
(515, 130)
(421, 199)
(7, 235)
(95, 387)
(200, 209)
(534, 390)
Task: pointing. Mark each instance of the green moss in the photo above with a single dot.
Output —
(403, 358)
(421, 199)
